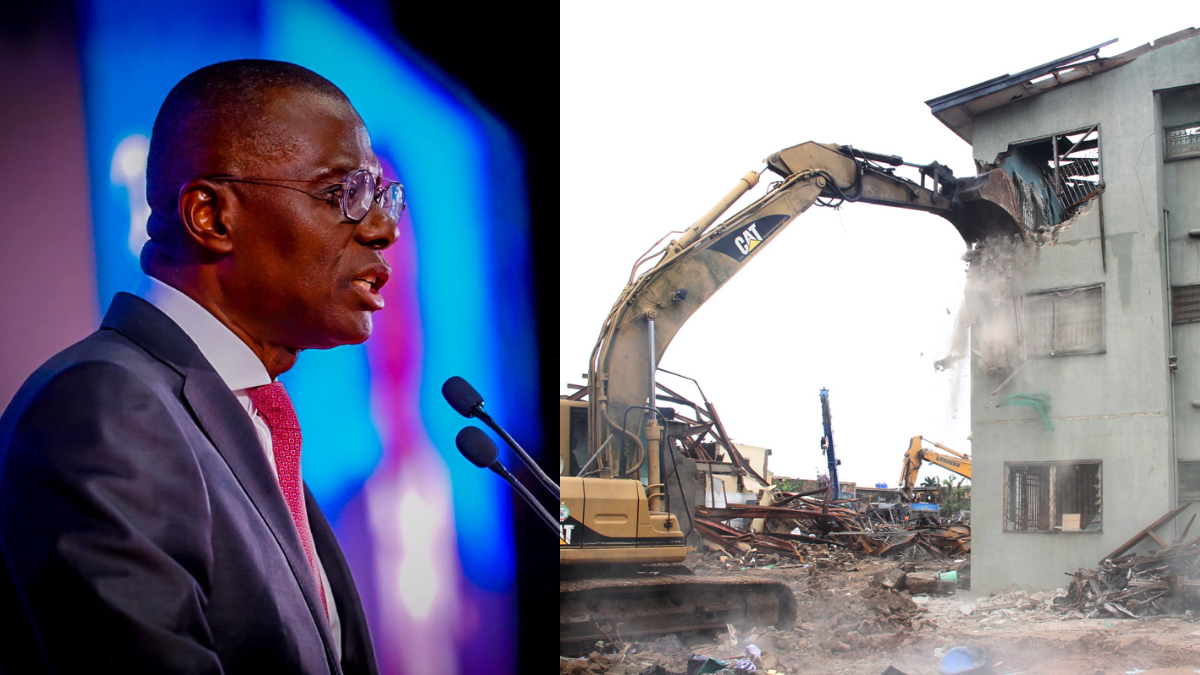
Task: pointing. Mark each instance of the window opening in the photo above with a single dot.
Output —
(1189, 481)
(1062, 322)
(1078, 496)
(1181, 142)
(1053, 497)
(577, 441)
(1029, 499)
(1185, 303)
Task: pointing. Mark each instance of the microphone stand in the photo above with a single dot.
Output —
(537, 471)
(529, 499)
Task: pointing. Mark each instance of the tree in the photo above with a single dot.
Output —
(954, 499)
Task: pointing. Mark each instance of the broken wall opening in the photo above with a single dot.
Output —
(1057, 177)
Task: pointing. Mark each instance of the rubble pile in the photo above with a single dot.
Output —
(792, 522)
(1163, 582)
(743, 555)
(841, 620)
(996, 610)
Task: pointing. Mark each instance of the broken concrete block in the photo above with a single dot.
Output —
(895, 579)
(921, 583)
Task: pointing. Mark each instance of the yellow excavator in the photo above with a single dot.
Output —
(619, 510)
(956, 461)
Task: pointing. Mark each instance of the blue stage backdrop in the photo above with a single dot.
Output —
(428, 535)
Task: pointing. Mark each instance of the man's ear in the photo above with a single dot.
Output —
(204, 210)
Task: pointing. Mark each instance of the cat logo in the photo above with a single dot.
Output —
(564, 537)
(741, 242)
(748, 239)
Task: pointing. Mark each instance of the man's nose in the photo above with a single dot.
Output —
(376, 230)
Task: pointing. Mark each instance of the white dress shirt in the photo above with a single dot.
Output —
(241, 370)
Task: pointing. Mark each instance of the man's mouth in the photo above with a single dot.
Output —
(368, 283)
(373, 279)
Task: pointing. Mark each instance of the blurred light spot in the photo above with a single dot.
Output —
(420, 578)
(129, 171)
(412, 516)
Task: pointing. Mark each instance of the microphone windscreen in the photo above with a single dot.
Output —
(476, 446)
(461, 396)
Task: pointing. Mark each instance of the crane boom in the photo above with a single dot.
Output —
(827, 425)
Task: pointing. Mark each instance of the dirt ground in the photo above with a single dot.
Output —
(848, 623)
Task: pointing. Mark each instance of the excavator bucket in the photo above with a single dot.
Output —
(987, 206)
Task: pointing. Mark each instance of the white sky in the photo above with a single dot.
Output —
(665, 105)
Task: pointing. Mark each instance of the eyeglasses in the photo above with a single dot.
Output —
(356, 192)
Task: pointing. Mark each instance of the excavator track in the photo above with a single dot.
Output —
(599, 609)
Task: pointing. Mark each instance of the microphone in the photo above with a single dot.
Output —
(467, 402)
(481, 451)
(462, 397)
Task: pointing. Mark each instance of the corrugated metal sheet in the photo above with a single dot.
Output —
(957, 109)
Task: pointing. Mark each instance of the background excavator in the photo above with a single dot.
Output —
(623, 503)
(956, 461)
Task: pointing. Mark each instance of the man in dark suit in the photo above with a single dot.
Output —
(152, 515)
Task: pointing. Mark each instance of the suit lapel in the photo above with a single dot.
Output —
(229, 429)
(358, 656)
(225, 423)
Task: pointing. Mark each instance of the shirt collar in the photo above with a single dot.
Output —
(233, 359)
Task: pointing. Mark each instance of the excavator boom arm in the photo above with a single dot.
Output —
(957, 462)
(958, 465)
(655, 305)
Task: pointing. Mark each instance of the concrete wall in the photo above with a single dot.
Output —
(759, 459)
(1113, 407)
(1181, 186)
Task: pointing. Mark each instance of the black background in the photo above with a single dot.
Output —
(509, 63)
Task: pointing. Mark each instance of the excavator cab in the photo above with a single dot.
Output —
(573, 448)
(606, 521)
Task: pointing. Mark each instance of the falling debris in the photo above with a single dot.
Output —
(989, 309)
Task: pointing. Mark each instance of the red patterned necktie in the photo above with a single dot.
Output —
(275, 406)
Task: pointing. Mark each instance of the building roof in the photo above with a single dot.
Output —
(957, 109)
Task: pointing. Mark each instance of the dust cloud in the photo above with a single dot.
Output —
(989, 310)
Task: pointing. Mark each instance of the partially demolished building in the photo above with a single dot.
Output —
(1092, 322)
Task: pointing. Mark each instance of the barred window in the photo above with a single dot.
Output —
(1028, 498)
(1062, 322)
(1052, 497)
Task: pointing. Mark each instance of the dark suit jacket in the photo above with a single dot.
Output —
(141, 526)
